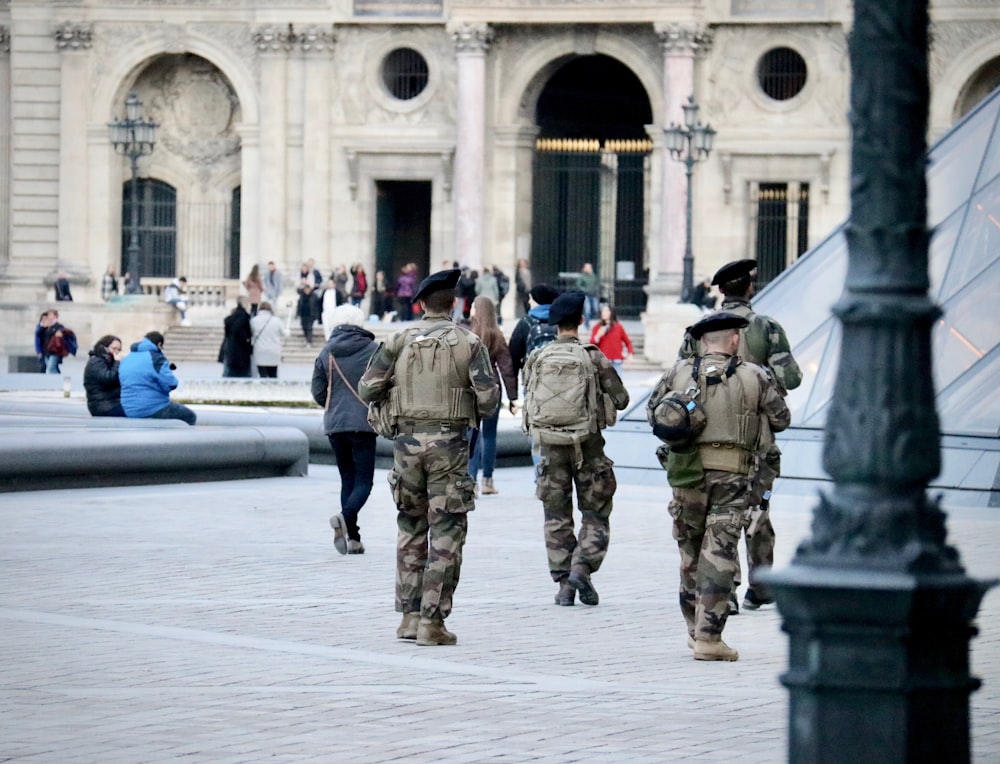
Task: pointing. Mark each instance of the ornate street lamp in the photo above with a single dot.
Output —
(133, 137)
(689, 143)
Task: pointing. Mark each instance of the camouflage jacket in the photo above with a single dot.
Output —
(763, 342)
(378, 379)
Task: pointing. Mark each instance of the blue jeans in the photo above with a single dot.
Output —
(52, 363)
(355, 452)
(592, 308)
(485, 451)
(175, 411)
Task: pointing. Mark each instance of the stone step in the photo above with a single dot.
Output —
(201, 343)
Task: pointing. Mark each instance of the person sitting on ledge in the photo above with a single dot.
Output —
(100, 378)
(147, 378)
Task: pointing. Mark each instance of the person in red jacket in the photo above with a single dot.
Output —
(610, 336)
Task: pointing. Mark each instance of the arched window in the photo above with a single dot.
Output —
(156, 225)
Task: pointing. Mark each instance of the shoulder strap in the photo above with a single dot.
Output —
(334, 366)
(254, 338)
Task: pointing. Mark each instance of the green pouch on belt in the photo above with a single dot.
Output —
(683, 466)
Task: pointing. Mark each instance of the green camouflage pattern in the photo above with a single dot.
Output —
(559, 469)
(765, 341)
(708, 520)
(433, 492)
(760, 548)
(379, 377)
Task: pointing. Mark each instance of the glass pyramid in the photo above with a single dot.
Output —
(963, 179)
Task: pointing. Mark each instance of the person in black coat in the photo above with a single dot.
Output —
(336, 373)
(237, 347)
(100, 378)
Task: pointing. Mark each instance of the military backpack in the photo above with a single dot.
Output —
(431, 380)
(561, 394)
(540, 334)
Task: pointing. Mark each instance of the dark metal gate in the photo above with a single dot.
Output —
(589, 206)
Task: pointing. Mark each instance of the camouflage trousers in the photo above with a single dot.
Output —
(708, 522)
(432, 489)
(556, 473)
(760, 540)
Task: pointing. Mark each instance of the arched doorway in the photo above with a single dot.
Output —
(981, 84)
(188, 187)
(590, 184)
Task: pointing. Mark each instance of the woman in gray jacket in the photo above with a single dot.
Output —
(267, 332)
(335, 377)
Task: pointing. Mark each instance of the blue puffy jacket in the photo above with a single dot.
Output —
(146, 380)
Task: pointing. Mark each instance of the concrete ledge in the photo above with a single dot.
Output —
(229, 442)
(74, 457)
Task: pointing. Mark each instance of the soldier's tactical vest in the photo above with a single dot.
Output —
(753, 339)
(729, 394)
(431, 380)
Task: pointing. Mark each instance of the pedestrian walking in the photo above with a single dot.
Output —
(713, 471)
(763, 342)
(571, 393)
(437, 379)
(336, 373)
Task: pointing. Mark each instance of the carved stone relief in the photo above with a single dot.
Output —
(951, 40)
(732, 74)
(197, 109)
(72, 36)
(357, 77)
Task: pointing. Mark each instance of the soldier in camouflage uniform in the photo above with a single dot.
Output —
(571, 557)
(764, 343)
(709, 515)
(438, 380)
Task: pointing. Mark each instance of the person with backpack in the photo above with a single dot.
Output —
(714, 469)
(57, 343)
(572, 392)
(763, 342)
(533, 330)
(437, 380)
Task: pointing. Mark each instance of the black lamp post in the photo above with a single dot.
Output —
(689, 143)
(133, 137)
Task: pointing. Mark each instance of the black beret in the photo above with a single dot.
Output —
(543, 294)
(567, 306)
(734, 270)
(437, 282)
(716, 322)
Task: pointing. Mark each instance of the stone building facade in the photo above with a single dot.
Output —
(383, 132)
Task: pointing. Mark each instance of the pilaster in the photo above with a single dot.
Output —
(472, 41)
(73, 41)
(5, 115)
(316, 46)
(665, 318)
(268, 227)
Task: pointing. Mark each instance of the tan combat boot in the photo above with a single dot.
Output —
(431, 631)
(408, 626)
(704, 650)
(488, 486)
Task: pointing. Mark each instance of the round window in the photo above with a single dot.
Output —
(781, 73)
(404, 72)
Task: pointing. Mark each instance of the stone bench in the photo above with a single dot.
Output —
(50, 446)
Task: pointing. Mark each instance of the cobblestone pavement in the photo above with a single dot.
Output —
(215, 623)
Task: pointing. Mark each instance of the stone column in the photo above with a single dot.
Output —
(665, 319)
(269, 225)
(4, 147)
(73, 41)
(877, 606)
(471, 43)
(316, 44)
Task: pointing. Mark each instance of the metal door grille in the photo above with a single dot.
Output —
(779, 226)
(590, 207)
